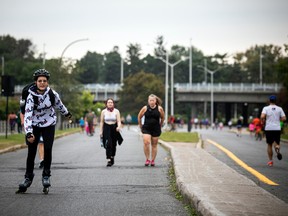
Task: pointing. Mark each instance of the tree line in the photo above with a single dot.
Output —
(21, 59)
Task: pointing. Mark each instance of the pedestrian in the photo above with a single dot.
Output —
(239, 126)
(82, 124)
(40, 119)
(128, 120)
(271, 116)
(151, 128)
(19, 123)
(12, 119)
(110, 125)
(90, 118)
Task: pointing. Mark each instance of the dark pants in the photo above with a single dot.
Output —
(48, 139)
(109, 137)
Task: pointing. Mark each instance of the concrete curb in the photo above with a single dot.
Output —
(213, 188)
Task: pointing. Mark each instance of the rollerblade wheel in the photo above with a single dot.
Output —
(46, 190)
(21, 190)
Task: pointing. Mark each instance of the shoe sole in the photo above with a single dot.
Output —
(279, 156)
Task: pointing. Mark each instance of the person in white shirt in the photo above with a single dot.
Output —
(271, 116)
(110, 125)
(40, 120)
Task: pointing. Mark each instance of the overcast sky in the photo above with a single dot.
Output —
(215, 26)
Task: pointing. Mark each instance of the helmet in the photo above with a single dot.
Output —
(41, 72)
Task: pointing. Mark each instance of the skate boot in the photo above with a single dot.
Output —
(46, 184)
(24, 185)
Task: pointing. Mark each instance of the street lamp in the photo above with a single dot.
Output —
(212, 90)
(183, 58)
(70, 44)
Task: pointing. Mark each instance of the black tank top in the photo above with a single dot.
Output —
(152, 116)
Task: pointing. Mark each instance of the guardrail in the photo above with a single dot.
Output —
(185, 87)
(228, 87)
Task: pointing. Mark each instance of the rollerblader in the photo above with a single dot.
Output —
(40, 120)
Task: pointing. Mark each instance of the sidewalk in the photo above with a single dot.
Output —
(213, 188)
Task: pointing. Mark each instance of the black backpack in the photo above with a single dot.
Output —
(25, 93)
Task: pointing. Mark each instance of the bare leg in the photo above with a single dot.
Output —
(154, 147)
(41, 151)
(270, 151)
(147, 140)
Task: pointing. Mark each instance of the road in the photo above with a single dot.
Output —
(83, 185)
(254, 154)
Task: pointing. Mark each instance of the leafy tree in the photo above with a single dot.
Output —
(112, 67)
(143, 84)
(133, 59)
(89, 68)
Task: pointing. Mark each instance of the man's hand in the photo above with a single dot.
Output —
(68, 115)
(30, 137)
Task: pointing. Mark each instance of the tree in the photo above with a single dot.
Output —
(89, 68)
(133, 59)
(112, 67)
(142, 83)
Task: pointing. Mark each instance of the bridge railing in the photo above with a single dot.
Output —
(108, 89)
(228, 87)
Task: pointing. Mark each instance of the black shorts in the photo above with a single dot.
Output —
(273, 136)
(153, 131)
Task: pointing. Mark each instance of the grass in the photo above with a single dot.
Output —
(180, 137)
(18, 139)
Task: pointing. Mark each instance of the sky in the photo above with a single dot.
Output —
(212, 26)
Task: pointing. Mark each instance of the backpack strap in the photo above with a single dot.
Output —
(52, 97)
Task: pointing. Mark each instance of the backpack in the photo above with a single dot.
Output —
(25, 93)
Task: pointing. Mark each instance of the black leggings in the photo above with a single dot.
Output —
(110, 139)
(48, 139)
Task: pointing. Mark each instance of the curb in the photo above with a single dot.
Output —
(188, 196)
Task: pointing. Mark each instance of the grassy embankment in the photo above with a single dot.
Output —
(18, 139)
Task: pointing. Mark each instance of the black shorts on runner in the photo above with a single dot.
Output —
(272, 136)
(153, 131)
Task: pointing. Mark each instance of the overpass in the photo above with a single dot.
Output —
(230, 99)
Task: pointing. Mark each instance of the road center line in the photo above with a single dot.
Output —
(242, 164)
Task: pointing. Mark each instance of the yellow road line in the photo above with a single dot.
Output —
(242, 164)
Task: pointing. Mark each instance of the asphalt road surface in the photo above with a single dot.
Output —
(254, 154)
(83, 185)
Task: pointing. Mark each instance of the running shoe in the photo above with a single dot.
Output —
(147, 162)
(279, 155)
(270, 163)
(152, 163)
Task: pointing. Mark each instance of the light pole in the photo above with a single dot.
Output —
(260, 75)
(70, 44)
(172, 82)
(212, 90)
(3, 62)
(190, 63)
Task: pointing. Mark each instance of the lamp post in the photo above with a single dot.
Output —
(190, 63)
(172, 82)
(60, 64)
(70, 44)
(260, 75)
(212, 90)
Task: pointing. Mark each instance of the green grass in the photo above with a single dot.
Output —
(16, 139)
(174, 189)
(180, 137)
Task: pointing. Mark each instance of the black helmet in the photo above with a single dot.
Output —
(41, 72)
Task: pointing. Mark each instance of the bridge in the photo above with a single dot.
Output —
(230, 99)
